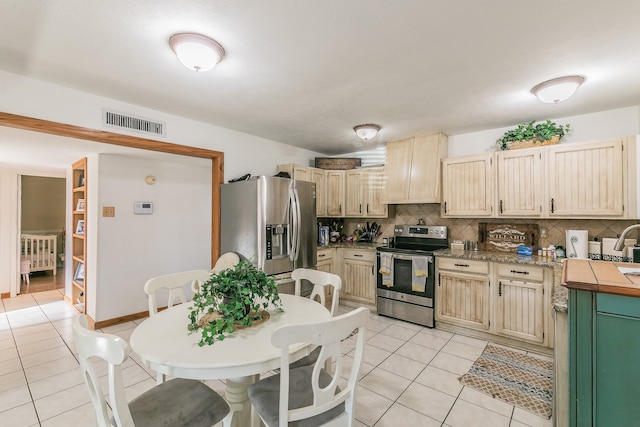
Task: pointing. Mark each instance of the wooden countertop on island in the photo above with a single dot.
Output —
(600, 276)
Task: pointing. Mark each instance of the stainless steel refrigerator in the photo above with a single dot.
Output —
(272, 222)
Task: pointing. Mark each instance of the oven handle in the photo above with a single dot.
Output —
(409, 257)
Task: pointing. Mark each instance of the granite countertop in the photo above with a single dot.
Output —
(559, 294)
(352, 245)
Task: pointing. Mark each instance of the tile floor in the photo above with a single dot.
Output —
(409, 376)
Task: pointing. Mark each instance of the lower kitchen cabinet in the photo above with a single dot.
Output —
(326, 261)
(358, 276)
(519, 302)
(462, 293)
(604, 355)
(507, 300)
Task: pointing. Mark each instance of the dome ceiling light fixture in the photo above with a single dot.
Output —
(195, 51)
(366, 132)
(558, 89)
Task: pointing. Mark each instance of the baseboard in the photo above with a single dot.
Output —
(118, 320)
(5, 295)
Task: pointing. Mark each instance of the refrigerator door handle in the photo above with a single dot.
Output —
(295, 214)
(297, 225)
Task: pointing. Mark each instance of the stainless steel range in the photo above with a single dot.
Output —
(406, 273)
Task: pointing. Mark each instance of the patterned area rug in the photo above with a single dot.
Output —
(515, 378)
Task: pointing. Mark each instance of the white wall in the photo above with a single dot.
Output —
(586, 127)
(176, 237)
(243, 154)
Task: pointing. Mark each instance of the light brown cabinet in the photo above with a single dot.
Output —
(335, 193)
(412, 169)
(501, 299)
(577, 180)
(358, 275)
(520, 183)
(78, 239)
(326, 261)
(467, 186)
(364, 193)
(588, 180)
(519, 301)
(310, 174)
(462, 293)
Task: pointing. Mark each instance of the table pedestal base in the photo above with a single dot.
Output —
(236, 396)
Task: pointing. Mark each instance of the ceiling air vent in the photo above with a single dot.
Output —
(138, 124)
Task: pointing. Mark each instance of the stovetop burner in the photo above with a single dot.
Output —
(418, 239)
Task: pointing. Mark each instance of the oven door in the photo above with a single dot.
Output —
(403, 276)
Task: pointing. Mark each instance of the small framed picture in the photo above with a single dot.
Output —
(79, 274)
(81, 180)
(80, 205)
(80, 227)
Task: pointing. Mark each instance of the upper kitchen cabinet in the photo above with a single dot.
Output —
(592, 179)
(307, 173)
(467, 186)
(335, 193)
(412, 169)
(364, 193)
(520, 181)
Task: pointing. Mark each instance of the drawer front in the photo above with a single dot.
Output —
(325, 254)
(521, 272)
(463, 265)
(359, 255)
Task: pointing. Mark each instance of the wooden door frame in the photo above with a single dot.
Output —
(77, 132)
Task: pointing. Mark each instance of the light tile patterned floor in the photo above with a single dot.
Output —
(410, 375)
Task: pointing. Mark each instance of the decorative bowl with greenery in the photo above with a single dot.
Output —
(234, 298)
(543, 131)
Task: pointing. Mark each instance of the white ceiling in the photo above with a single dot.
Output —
(305, 72)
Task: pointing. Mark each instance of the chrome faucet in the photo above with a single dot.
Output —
(620, 243)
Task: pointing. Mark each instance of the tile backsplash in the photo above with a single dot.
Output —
(467, 228)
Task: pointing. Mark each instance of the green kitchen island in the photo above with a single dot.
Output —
(604, 343)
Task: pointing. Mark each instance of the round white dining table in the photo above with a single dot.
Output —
(165, 344)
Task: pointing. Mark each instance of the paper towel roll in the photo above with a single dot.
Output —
(577, 244)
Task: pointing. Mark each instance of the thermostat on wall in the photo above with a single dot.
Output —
(142, 208)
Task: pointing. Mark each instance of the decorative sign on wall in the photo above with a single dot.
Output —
(507, 237)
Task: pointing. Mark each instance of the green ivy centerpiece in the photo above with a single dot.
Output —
(232, 299)
(529, 135)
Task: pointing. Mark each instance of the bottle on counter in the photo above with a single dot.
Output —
(552, 252)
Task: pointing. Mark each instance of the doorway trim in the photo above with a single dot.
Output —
(78, 132)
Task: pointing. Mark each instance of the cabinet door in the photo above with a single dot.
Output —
(467, 186)
(355, 183)
(520, 182)
(586, 179)
(520, 310)
(373, 193)
(335, 193)
(463, 299)
(398, 171)
(325, 263)
(318, 176)
(358, 281)
(424, 179)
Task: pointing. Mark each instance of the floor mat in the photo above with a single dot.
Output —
(515, 378)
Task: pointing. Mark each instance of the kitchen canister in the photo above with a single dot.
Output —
(577, 244)
(610, 254)
(595, 250)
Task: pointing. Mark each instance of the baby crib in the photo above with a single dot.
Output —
(40, 250)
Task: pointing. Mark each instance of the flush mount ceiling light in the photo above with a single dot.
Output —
(195, 51)
(557, 90)
(366, 131)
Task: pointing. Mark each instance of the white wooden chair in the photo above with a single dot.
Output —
(320, 280)
(174, 283)
(178, 402)
(311, 393)
(226, 260)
